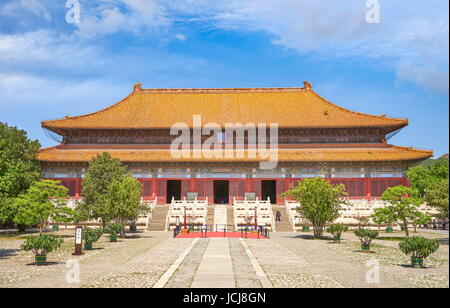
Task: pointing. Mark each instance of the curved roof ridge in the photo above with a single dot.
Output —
(59, 146)
(357, 112)
(410, 148)
(91, 113)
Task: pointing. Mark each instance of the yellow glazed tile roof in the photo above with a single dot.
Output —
(161, 108)
(338, 154)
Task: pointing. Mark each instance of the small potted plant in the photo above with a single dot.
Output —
(336, 230)
(91, 236)
(55, 228)
(41, 245)
(366, 236)
(305, 229)
(132, 225)
(113, 230)
(419, 248)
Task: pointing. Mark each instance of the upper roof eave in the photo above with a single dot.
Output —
(59, 125)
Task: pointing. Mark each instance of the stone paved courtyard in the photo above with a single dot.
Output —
(287, 260)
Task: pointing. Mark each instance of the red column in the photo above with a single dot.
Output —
(193, 185)
(367, 188)
(78, 188)
(248, 185)
(154, 188)
(287, 184)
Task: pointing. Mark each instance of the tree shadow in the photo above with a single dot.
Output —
(410, 266)
(6, 253)
(364, 252)
(17, 233)
(94, 248)
(311, 237)
(132, 236)
(48, 263)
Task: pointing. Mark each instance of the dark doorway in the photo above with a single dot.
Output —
(221, 191)
(173, 190)
(269, 189)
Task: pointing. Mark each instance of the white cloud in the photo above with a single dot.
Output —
(48, 51)
(181, 37)
(122, 16)
(32, 6)
(30, 90)
(410, 38)
(427, 77)
(417, 33)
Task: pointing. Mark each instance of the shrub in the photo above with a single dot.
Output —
(42, 244)
(91, 236)
(336, 230)
(366, 236)
(419, 247)
(114, 229)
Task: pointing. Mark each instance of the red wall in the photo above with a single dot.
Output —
(151, 188)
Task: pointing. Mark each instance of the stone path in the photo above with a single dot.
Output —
(185, 273)
(155, 259)
(216, 268)
(168, 274)
(220, 216)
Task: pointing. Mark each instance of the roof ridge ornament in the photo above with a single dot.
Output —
(307, 85)
(137, 87)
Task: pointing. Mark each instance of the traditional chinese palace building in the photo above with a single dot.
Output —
(316, 139)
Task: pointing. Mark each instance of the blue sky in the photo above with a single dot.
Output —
(399, 67)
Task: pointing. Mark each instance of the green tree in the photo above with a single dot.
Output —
(384, 215)
(420, 179)
(124, 201)
(19, 168)
(320, 201)
(437, 196)
(404, 204)
(103, 170)
(431, 183)
(44, 201)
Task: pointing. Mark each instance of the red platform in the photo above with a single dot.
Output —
(220, 234)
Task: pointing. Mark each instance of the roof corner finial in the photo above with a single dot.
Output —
(137, 87)
(66, 116)
(307, 85)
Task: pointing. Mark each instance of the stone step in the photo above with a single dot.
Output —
(210, 215)
(230, 215)
(158, 222)
(285, 224)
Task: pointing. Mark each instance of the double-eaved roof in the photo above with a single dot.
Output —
(313, 153)
(297, 108)
(161, 108)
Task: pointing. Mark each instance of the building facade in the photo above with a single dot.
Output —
(316, 138)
